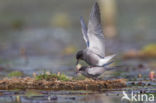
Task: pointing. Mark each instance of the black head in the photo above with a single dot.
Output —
(79, 55)
(82, 68)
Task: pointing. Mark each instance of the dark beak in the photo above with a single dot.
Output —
(77, 61)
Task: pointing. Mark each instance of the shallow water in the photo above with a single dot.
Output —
(53, 96)
(39, 45)
(36, 96)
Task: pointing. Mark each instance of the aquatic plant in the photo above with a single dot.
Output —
(52, 76)
(63, 77)
(15, 74)
(79, 77)
(149, 50)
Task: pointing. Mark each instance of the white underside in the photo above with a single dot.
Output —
(105, 60)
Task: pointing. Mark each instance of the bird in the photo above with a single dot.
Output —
(94, 53)
(93, 72)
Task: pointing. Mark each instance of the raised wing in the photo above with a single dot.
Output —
(95, 32)
(84, 31)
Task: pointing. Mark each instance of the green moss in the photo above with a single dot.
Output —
(149, 49)
(17, 24)
(15, 74)
(80, 77)
(63, 77)
(52, 76)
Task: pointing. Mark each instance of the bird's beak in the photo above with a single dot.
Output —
(77, 62)
(78, 66)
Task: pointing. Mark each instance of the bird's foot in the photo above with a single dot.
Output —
(97, 78)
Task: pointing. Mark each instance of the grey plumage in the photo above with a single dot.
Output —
(95, 32)
(93, 72)
(94, 54)
(84, 31)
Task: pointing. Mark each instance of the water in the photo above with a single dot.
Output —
(56, 96)
(39, 96)
(130, 71)
(32, 39)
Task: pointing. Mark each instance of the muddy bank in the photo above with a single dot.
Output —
(31, 83)
(146, 52)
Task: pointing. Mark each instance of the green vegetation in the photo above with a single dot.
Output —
(52, 76)
(63, 77)
(15, 74)
(80, 77)
(17, 24)
(149, 50)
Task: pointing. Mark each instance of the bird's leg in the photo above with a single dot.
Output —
(95, 78)
(99, 78)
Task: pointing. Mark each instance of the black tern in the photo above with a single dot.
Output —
(94, 54)
(93, 72)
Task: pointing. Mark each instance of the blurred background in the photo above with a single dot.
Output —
(38, 35)
(44, 35)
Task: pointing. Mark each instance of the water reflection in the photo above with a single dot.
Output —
(59, 97)
(37, 35)
(33, 96)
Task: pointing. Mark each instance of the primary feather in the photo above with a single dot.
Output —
(94, 54)
(84, 31)
(95, 32)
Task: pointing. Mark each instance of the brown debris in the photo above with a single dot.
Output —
(142, 54)
(133, 54)
(31, 83)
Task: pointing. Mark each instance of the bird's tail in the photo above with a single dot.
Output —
(110, 57)
(105, 60)
(108, 63)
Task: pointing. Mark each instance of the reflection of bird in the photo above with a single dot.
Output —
(94, 54)
(93, 72)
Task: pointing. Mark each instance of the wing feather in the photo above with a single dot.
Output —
(95, 32)
(84, 31)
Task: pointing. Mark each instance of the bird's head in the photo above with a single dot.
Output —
(79, 56)
(80, 69)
